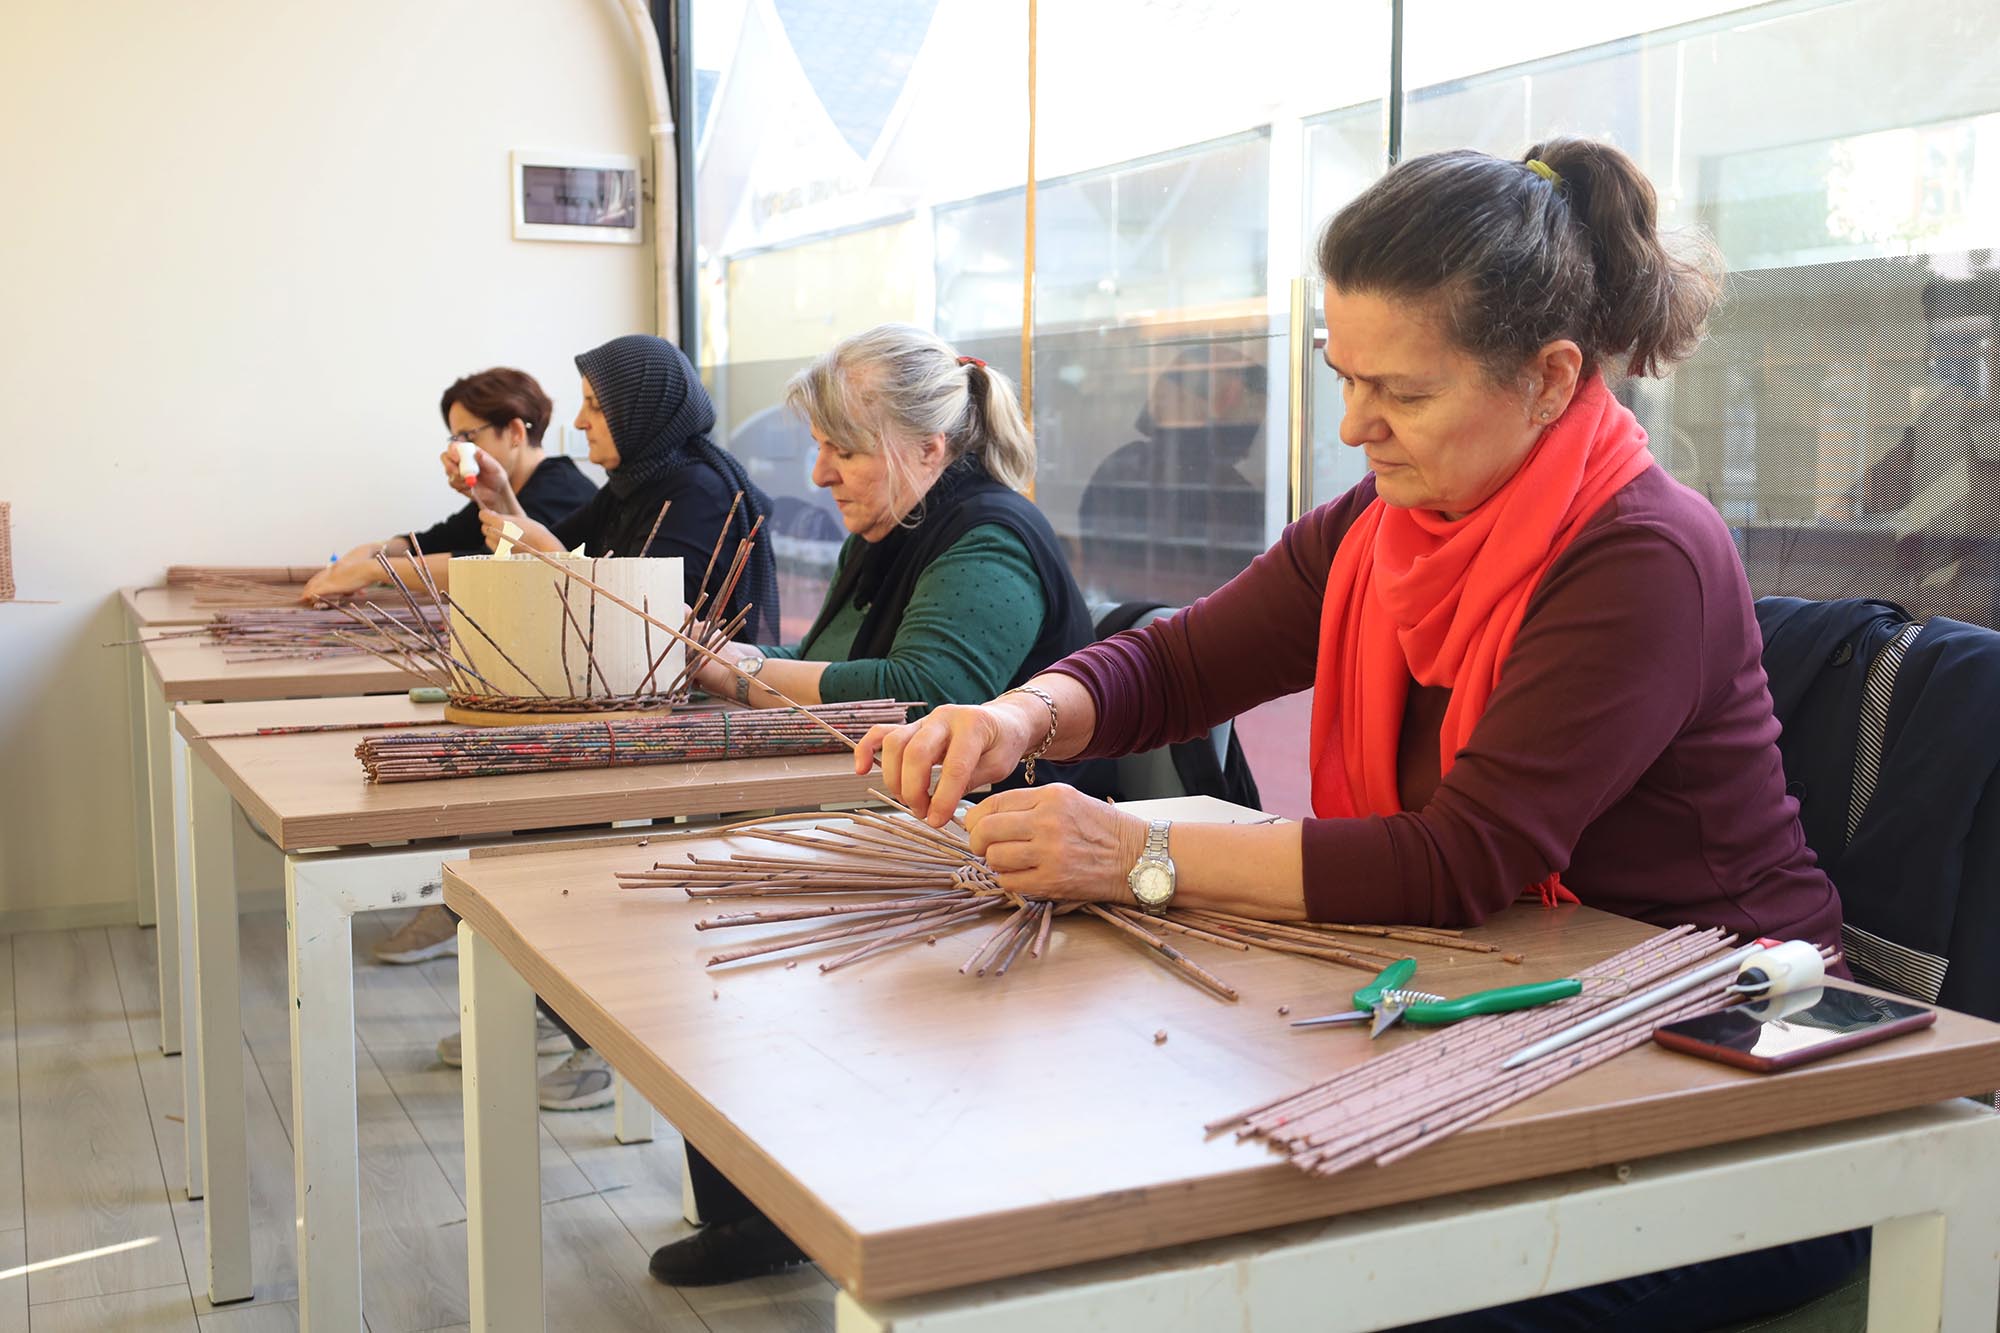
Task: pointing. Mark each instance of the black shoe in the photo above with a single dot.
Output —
(726, 1252)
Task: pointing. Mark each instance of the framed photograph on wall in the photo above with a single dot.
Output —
(577, 197)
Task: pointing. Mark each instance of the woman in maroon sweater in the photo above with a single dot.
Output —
(1535, 660)
(1625, 748)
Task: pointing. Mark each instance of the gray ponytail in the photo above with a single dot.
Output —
(892, 386)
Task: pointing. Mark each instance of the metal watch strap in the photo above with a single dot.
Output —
(1157, 831)
(744, 673)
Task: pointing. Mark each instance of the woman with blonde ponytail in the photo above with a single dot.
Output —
(951, 589)
(952, 586)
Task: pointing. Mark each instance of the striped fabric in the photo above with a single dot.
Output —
(1876, 693)
(1877, 961)
(1892, 966)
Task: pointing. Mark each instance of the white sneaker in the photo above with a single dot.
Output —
(431, 933)
(580, 1083)
(549, 1040)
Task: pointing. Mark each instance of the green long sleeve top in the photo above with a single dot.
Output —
(974, 615)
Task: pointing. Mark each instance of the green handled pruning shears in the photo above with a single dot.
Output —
(1387, 1001)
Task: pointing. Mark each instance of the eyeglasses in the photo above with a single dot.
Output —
(468, 436)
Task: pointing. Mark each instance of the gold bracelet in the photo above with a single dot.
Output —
(1055, 721)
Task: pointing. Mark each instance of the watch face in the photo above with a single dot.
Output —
(1152, 883)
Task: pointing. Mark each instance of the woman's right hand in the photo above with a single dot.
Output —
(971, 745)
(491, 489)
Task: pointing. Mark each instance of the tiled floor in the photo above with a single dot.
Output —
(96, 1231)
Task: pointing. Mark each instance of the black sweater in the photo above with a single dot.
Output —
(554, 490)
(701, 496)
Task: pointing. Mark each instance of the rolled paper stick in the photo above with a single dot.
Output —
(1030, 929)
(457, 611)
(658, 519)
(1172, 955)
(1181, 927)
(1666, 990)
(815, 937)
(992, 939)
(930, 927)
(689, 642)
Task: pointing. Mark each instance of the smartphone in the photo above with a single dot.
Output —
(1769, 1035)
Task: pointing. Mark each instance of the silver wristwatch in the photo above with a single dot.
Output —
(1151, 879)
(747, 666)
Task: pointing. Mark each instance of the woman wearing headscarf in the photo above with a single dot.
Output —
(1533, 653)
(648, 419)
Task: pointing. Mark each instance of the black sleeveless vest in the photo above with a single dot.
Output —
(881, 577)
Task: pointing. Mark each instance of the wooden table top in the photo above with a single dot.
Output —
(177, 605)
(307, 791)
(197, 722)
(164, 606)
(195, 670)
(915, 1129)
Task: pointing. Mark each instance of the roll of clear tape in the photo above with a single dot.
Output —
(1781, 969)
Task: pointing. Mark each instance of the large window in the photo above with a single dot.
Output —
(1846, 158)
(864, 160)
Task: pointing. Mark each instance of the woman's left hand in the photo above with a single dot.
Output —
(352, 575)
(1055, 842)
(711, 676)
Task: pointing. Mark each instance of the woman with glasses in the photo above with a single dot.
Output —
(502, 413)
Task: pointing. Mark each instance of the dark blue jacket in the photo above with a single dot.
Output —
(1919, 878)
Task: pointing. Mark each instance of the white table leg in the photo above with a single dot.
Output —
(1935, 1271)
(503, 1183)
(1925, 1179)
(142, 787)
(632, 1116)
(322, 894)
(167, 788)
(213, 1062)
(326, 1155)
(210, 818)
(690, 1209)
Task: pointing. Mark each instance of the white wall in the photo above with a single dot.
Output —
(244, 245)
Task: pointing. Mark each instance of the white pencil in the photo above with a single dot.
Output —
(1637, 1004)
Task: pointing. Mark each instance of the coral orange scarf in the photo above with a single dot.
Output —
(1414, 596)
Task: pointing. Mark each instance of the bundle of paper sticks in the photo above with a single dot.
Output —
(881, 879)
(298, 632)
(1432, 1087)
(674, 738)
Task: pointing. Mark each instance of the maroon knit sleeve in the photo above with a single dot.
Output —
(1254, 639)
(1607, 670)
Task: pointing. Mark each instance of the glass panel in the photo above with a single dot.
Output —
(825, 130)
(1843, 415)
(1171, 222)
(862, 160)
